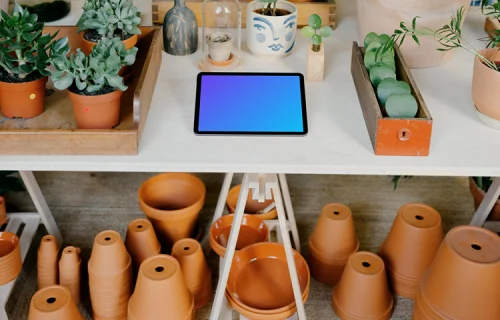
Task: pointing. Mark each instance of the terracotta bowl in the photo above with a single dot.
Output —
(253, 230)
(10, 257)
(259, 278)
(252, 206)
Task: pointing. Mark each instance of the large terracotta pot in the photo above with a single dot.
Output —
(23, 100)
(433, 14)
(478, 196)
(487, 101)
(96, 112)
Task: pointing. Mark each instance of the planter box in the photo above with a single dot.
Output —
(54, 132)
(391, 136)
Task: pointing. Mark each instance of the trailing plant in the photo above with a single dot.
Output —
(23, 48)
(110, 18)
(316, 32)
(8, 182)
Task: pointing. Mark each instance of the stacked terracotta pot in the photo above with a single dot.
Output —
(110, 276)
(463, 280)
(48, 262)
(54, 303)
(10, 257)
(70, 271)
(259, 285)
(141, 241)
(252, 207)
(331, 243)
(161, 292)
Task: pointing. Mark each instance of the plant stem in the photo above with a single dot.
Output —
(274, 9)
(316, 47)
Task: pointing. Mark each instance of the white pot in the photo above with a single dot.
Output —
(271, 36)
(384, 16)
(219, 50)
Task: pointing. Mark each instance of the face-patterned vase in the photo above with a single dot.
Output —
(271, 36)
(180, 30)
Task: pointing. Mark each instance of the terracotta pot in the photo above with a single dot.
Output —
(259, 278)
(96, 112)
(141, 241)
(410, 247)
(87, 46)
(70, 271)
(172, 202)
(3, 211)
(23, 100)
(363, 291)
(478, 196)
(432, 14)
(54, 303)
(482, 78)
(253, 230)
(126, 73)
(195, 269)
(252, 206)
(10, 257)
(463, 280)
(161, 277)
(47, 263)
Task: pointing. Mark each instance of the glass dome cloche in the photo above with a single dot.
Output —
(220, 35)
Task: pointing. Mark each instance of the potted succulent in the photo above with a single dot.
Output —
(220, 45)
(315, 53)
(108, 19)
(25, 52)
(271, 27)
(93, 83)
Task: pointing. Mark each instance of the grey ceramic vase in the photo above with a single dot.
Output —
(180, 30)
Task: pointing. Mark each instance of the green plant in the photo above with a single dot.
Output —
(490, 8)
(107, 47)
(110, 18)
(395, 180)
(316, 32)
(10, 183)
(23, 48)
(270, 7)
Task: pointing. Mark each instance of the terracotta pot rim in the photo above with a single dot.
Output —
(24, 86)
(107, 97)
(326, 259)
(14, 239)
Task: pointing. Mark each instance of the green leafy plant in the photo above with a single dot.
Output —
(107, 47)
(24, 50)
(491, 8)
(8, 182)
(270, 7)
(316, 32)
(110, 18)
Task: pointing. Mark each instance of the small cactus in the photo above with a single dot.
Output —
(316, 32)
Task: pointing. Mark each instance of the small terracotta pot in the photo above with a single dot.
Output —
(70, 271)
(10, 257)
(253, 230)
(54, 303)
(463, 280)
(259, 278)
(486, 101)
(47, 263)
(252, 206)
(109, 254)
(141, 241)
(161, 290)
(3, 211)
(410, 247)
(478, 196)
(195, 269)
(87, 46)
(96, 112)
(172, 202)
(363, 291)
(23, 100)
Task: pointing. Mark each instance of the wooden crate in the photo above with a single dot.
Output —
(326, 9)
(391, 136)
(54, 132)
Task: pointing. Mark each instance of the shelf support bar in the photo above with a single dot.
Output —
(490, 198)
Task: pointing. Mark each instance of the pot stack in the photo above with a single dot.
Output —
(48, 262)
(54, 303)
(10, 257)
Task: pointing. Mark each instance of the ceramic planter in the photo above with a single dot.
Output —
(70, 271)
(315, 64)
(485, 101)
(172, 202)
(410, 247)
(161, 290)
(383, 16)
(220, 45)
(478, 196)
(96, 112)
(253, 230)
(252, 206)
(462, 281)
(141, 241)
(23, 100)
(197, 273)
(54, 303)
(3, 211)
(47, 262)
(10, 257)
(271, 36)
(363, 291)
(87, 45)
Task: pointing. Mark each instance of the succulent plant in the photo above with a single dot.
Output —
(381, 72)
(270, 9)
(110, 18)
(401, 106)
(316, 32)
(23, 47)
(107, 47)
(373, 42)
(390, 86)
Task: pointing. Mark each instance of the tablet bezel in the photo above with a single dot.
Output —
(235, 74)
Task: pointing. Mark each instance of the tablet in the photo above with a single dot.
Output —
(250, 104)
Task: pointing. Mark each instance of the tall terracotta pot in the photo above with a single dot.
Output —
(478, 196)
(141, 241)
(487, 102)
(23, 100)
(47, 262)
(96, 112)
(70, 271)
(384, 16)
(87, 45)
(54, 303)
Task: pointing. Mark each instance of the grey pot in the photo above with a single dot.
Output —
(180, 30)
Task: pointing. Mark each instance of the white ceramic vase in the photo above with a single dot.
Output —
(271, 36)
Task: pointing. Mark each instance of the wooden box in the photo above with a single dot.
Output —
(391, 136)
(54, 132)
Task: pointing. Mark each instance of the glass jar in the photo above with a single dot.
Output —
(47, 10)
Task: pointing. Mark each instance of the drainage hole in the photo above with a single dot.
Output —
(107, 238)
(186, 248)
(419, 217)
(336, 213)
(159, 269)
(139, 226)
(476, 247)
(51, 300)
(366, 264)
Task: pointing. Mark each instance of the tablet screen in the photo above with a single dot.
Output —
(250, 103)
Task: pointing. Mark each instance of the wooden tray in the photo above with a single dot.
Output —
(54, 132)
(391, 136)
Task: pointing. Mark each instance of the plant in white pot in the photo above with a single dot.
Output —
(271, 27)
(220, 45)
